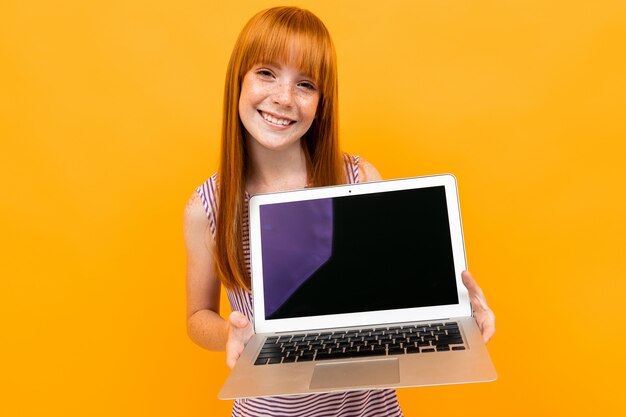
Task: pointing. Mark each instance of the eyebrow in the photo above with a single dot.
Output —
(277, 65)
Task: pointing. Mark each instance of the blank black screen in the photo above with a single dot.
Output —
(390, 250)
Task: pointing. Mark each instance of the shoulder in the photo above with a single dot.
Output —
(194, 209)
(195, 219)
(368, 172)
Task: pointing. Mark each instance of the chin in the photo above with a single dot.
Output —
(278, 146)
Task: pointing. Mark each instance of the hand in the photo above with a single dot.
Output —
(239, 332)
(485, 318)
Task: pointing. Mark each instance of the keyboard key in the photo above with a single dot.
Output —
(451, 340)
(357, 343)
(428, 350)
(268, 348)
(270, 355)
(378, 352)
(458, 347)
(412, 349)
(323, 356)
(261, 361)
(395, 350)
(363, 353)
(274, 360)
(270, 352)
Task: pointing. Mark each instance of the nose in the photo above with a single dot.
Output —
(283, 94)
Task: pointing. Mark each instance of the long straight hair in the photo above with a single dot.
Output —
(281, 35)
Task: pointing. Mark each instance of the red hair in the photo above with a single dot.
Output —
(282, 35)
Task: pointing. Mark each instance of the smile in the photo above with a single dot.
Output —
(275, 120)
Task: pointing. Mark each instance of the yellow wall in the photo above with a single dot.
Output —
(109, 117)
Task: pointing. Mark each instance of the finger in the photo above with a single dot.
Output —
(479, 303)
(233, 351)
(472, 287)
(238, 320)
(231, 360)
(486, 323)
(488, 330)
(469, 282)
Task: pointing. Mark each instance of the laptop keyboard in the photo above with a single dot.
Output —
(379, 341)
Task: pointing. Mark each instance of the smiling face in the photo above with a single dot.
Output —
(277, 105)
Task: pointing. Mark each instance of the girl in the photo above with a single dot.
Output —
(279, 133)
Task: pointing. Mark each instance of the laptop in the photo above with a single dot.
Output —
(357, 287)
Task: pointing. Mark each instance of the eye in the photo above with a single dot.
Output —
(308, 85)
(264, 72)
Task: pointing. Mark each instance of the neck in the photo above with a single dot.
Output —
(275, 170)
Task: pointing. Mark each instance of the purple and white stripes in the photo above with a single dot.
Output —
(352, 168)
(208, 194)
(345, 404)
(372, 403)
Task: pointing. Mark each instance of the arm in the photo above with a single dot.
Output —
(368, 172)
(204, 324)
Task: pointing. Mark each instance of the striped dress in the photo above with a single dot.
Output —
(344, 404)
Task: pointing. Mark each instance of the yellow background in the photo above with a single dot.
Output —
(109, 118)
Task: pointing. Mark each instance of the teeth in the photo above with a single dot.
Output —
(274, 120)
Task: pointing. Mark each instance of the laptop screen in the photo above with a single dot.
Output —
(352, 254)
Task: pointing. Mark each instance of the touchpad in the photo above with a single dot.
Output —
(355, 374)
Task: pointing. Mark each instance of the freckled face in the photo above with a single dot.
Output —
(277, 105)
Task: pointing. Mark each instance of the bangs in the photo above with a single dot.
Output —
(296, 37)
